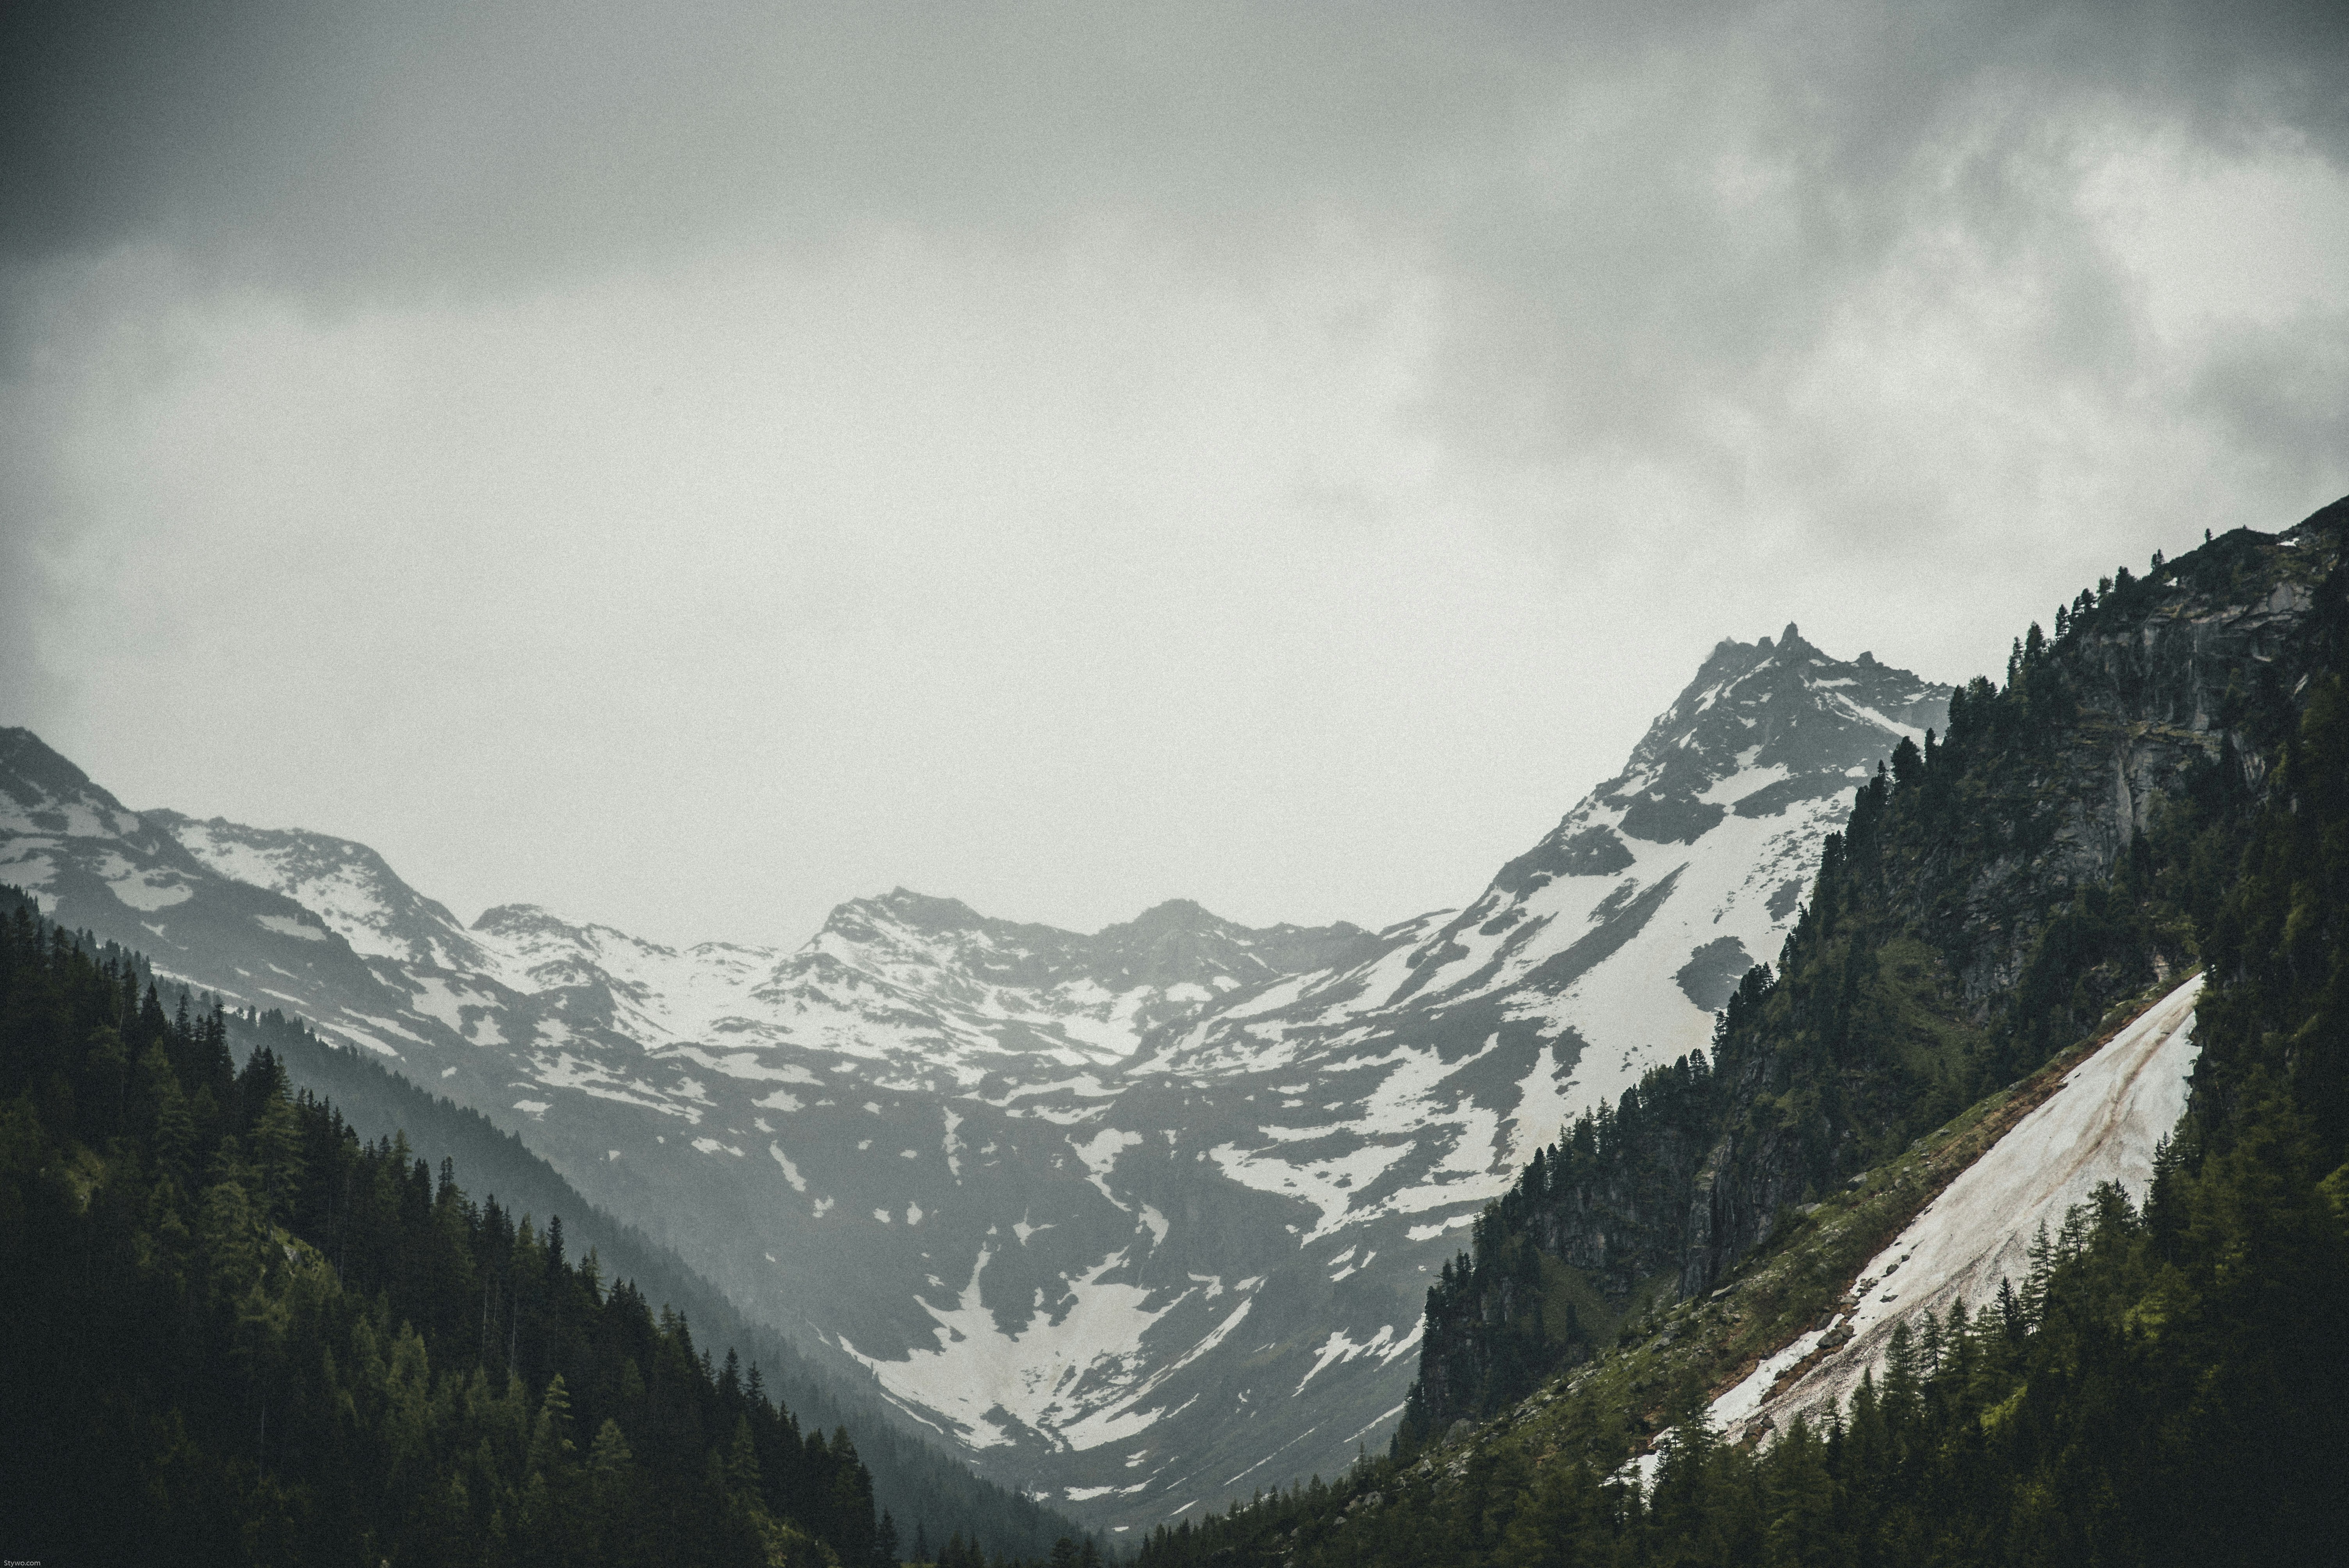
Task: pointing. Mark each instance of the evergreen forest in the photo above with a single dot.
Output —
(239, 1334)
(933, 1496)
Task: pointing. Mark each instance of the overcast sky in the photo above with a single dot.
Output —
(688, 466)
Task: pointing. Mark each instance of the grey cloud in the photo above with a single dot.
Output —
(440, 137)
(451, 141)
(2284, 392)
(1720, 297)
(1565, 168)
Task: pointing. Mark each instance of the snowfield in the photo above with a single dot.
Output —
(2102, 1125)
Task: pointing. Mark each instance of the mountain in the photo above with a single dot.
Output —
(239, 1333)
(1979, 909)
(1139, 1219)
(1610, 944)
(1925, 1229)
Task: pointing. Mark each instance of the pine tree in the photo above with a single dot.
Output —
(1802, 1498)
(550, 1437)
(277, 1157)
(1903, 1379)
(2032, 1299)
(609, 1457)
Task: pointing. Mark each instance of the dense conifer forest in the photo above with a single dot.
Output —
(933, 1496)
(241, 1334)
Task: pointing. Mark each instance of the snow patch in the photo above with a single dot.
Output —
(2101, 1125)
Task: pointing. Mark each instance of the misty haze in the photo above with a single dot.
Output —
(1233, 787)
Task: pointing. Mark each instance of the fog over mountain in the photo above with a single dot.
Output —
(700, 468)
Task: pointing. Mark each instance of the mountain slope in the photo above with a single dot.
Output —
(1137, 1218)
(1609, 946)
(239, 1334)
(1984, 903)
(2157, 1382)
(2106, 1123)
(924, 1488)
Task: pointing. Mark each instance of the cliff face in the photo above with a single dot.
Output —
(2157, 680)
(1990, 896)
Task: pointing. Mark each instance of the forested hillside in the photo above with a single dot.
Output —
(2171, 1382)
(932, 1496)
(1992, 893)
(240, 1333)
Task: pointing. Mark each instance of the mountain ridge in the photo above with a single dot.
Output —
(1981, 903)
(1120, 1213)
(2152, 1379)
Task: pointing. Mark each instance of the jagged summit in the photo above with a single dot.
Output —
(1764, 728)
(1683, 869)
(1170, 914)
(534, 922)
(1161, 966)
(347, 884)
(1785, 709)
(921, 909)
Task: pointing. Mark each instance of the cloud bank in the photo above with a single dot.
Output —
(692, 468)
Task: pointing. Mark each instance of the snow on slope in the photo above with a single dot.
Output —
(921, 988)
(2102, 1125)
(345, 884)
(1602, 951)
(1128, 1216)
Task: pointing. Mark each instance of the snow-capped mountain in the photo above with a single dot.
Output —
(1139, 1219)
(1610, 944)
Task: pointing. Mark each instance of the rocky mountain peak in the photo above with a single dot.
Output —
(53, 796)
(923, 911)
(522, 919)
(1780, 714)
(1174, 915)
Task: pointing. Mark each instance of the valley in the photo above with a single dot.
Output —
(1136, 1221)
